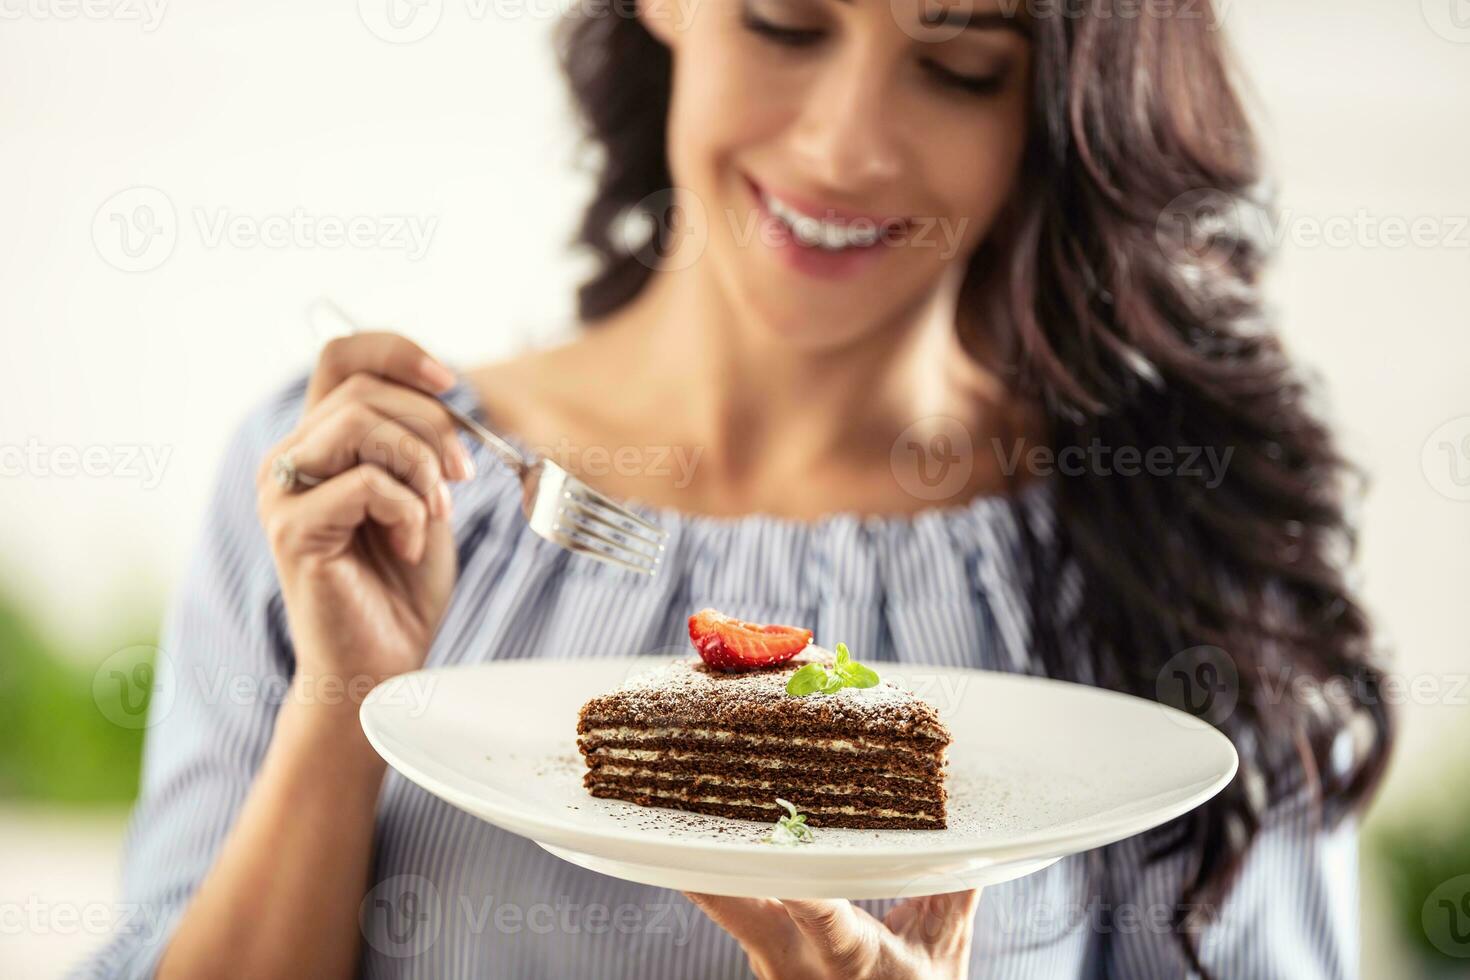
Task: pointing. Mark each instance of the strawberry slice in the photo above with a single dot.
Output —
(726, 643)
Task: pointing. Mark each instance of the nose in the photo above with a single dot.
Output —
(844, 136)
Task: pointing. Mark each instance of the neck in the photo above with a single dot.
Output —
(757, 403)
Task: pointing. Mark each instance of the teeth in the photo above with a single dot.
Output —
(816, 232)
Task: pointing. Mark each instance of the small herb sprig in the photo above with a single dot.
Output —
(821, 679)
(790, 829)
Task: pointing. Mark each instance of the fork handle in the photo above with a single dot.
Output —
(507, 453)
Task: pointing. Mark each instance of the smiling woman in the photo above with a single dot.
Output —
(792, 325)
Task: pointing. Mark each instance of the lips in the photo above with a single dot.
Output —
(808, 256)
(825, 227)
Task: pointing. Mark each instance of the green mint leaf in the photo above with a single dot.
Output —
(821, 679)
(790, 829)
(807, 680)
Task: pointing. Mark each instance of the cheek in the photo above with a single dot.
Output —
(721, 100)
(973, 168)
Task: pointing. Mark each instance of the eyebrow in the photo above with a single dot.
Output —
(992, 20)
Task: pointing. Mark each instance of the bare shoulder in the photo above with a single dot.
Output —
(539, 394)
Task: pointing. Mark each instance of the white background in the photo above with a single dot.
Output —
(262, 108)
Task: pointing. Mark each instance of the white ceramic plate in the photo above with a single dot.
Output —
(1039, 769)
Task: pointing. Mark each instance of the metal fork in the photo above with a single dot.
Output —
(558, 506)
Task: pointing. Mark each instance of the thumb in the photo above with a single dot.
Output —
(935, 921)
(843, 936)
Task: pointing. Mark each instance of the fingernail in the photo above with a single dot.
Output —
(435, 374)
(407, 544)
(446, 503)
(465, 461)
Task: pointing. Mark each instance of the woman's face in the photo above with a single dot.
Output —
(843, 153)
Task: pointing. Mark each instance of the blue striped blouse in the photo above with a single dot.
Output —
(456, 897)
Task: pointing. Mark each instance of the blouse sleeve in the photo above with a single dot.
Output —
(219, 677)
(1292, 914)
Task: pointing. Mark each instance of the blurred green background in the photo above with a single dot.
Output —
(57, 742)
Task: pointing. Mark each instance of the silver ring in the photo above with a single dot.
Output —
(283, 470)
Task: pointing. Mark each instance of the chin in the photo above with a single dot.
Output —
(813, 327)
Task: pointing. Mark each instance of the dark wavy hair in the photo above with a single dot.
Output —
(1120, 292)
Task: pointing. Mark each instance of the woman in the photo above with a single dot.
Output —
(1021, 170)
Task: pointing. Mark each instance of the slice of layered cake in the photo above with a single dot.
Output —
(762, 715)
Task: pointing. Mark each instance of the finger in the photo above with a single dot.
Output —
(324, 520)
(756, 923)
(409, 405)
(355, 433)
(844, 936)
(935, 921)
(400, 446)
(385, 354)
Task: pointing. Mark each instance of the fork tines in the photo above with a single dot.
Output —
(595, 525)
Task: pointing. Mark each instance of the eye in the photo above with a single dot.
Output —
(972, 84)
(791, 37)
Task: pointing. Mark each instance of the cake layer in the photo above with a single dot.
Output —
(737, 772)
(687, 737)
(686, 694)
(817, 816)
(807, 756)
(807, 800)
(614, 731)
(916, 793)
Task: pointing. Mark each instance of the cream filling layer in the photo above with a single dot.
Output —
(847, 789)
(624, 733)
(846, 810)
(655, 755)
